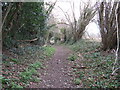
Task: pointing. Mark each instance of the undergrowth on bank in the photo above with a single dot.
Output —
(97, 66)
(20, 68)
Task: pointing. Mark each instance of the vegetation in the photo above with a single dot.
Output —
(49, 51)
(107, 23)
(28, 29)
(72, 57)
(24, 69)
(77, 81)
(24, 21)
(95, 68)
(77, 26)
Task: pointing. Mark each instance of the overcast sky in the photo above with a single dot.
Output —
(65, 5)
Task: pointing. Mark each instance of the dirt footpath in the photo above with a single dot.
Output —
(57, 73)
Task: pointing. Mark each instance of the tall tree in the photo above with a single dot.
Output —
(78, 25)
(107, 24)
(118, 15)
(24, 21)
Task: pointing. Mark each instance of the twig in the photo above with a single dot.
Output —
(115, 70)
(28, 40)
(66, 15)
(21, 26)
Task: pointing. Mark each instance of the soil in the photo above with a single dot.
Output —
(58, 71)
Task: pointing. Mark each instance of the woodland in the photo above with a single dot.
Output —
(36, 55)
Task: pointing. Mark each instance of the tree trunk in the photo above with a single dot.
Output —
(107, 24)
(119, 40)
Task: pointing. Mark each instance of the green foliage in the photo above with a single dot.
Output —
(25, 56)
(27, 75)
(33, 19)
(25, 21)
(4, 80)
(27, 53)
(36, 65)
(57, 38)
(14, 60)
(77, 81)
(49, 51)
(14, 85)
(84, 46)
(7, 42)
(99, 66)
(72, 57)
(63, 30)
(9, 82)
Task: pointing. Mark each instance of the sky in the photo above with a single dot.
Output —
(65, 5)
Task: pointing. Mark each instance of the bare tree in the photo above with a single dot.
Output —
(85, 17)
(109, 20)
(78, 25)
(107, 24)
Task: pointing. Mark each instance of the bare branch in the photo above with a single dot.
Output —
(115, 70)
(8, 10)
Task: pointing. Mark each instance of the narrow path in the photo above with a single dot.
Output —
(57, 73)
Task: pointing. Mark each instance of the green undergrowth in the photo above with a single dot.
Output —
(49, 51)
(83, 46)
(97, 66)
(22, 68)
(29, 73)
(72, 57)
